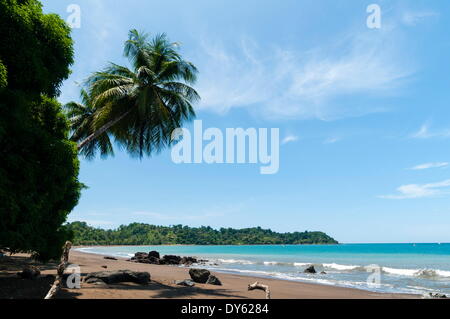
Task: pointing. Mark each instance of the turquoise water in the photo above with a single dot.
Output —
(405, 268)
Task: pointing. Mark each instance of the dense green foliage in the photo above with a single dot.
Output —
(144, 234)
(38, 163)
(140, 106)
(35, 47)
(3, 75)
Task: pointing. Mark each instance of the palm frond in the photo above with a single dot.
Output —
(138, 107)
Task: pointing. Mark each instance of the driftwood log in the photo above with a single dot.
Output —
(259, 286)
(60, 271)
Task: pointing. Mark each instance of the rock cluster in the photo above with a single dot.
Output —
(154, 258)
(203, 276)
(114, 277)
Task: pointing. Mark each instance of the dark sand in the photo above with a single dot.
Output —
(162, 285)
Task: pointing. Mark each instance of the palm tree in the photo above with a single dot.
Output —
(81, 117)
(141, 107)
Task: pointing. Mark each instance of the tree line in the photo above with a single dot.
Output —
(145, 234)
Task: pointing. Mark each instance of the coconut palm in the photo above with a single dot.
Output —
(81, 117)
(140, 107)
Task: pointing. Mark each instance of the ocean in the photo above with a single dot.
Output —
(394, 268)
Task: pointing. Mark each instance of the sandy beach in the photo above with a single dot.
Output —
(162, 283)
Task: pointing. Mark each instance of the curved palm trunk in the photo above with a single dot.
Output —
(102, 130)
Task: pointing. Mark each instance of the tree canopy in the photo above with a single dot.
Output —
(138, 107)
(38, 163)
(144, 234)
(36, 48)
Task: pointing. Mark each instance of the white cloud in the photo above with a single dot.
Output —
(424, 132)
(420, 190)
(430, 165)
(411, 18)
(283, 83)
(289, 139)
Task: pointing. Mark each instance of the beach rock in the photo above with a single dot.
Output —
(114, 277)
(154, 260)
(213, 280)
(139, 256)
(187, 261)
(153, 257)
(323, 273)
(199, 275)
(170, 260)
(154, 254)
(185, 283)
(310, 270)
(94, 281)
(110, 258)
(145, 258)
(29, 273)
(104, 266)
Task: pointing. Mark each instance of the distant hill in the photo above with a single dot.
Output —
(144, 234)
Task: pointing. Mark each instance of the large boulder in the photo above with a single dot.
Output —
(199, 275)
(114, 277)
(140, 257)
(153, 260)
(154, 254)
(310, 270)
(213, 280)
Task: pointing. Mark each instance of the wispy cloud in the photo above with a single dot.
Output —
(412, 18)
(289, 139)
(425, 132)
(430, 165)
(283, 83)
(420, 190)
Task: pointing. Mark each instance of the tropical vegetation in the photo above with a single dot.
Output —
(138, 107)
(38, 163)
(144, 234)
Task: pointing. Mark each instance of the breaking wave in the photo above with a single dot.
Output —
(422, 273)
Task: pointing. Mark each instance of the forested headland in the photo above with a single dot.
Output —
(144, 234)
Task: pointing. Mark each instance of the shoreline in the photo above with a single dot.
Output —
(234, 285)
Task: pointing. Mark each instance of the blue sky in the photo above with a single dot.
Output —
(363, 113)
